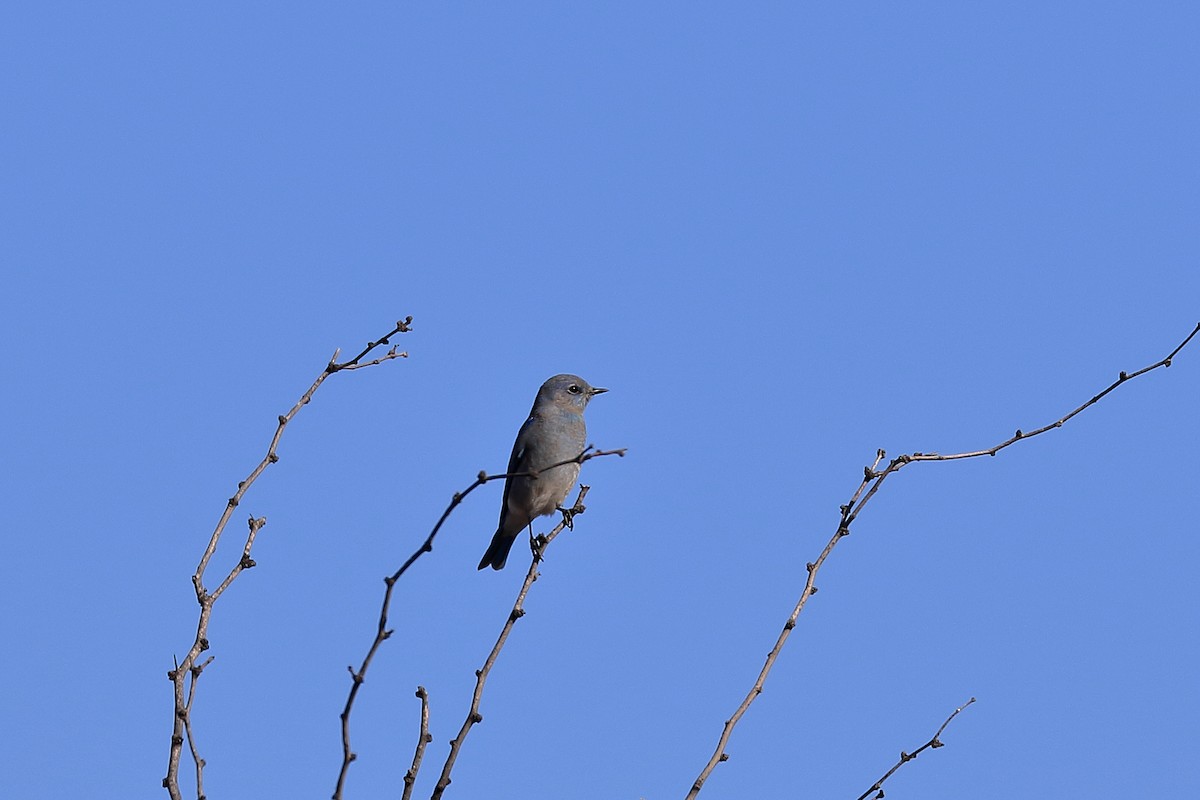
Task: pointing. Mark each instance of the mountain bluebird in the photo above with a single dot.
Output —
(554, 433)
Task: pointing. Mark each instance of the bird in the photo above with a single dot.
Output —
(554, 433)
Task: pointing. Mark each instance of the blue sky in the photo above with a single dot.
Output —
(782, 235)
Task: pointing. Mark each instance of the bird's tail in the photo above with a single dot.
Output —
(497, 552)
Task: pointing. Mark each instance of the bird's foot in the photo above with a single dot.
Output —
(537, 544)
(568, 516)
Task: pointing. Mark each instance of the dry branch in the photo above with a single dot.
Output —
(185, 674)
(906, 757)
(423, 739)
(871, 482)
(518, 610)
(382, 632)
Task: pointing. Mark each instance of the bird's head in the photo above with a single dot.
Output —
(568, 391)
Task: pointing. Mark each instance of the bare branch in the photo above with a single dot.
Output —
(194, 676)
(518, 610)
(183, 690)
(872, 481)
(410, 777)
(382, 632)
(403, 326)
(906, 757)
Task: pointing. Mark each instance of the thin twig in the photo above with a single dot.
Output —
(410, 777)
(518, 610)
(382, 632)
(385, 357)
(183, 691)
(871, 483)
(934, 742)
(194, 676)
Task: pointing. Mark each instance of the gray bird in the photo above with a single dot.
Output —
(554, 433)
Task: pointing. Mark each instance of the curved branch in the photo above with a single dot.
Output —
(870, 485)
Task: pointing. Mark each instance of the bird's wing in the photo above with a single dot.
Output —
(516, 462)
(521, 448)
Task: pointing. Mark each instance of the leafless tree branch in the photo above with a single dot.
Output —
(423, 739)
(872, 481)
(934, 742)
(382, 632)
(187, 672)
(187, 726)
(539, 546)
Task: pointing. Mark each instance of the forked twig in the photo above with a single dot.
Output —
(867, 489)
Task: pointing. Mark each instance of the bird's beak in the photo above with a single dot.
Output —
(597, 390)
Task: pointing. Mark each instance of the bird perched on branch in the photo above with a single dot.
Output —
(554, 433)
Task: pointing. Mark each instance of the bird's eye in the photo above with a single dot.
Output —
(574, 388)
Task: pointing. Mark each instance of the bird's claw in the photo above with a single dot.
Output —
(537, 544)
(568, 517)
